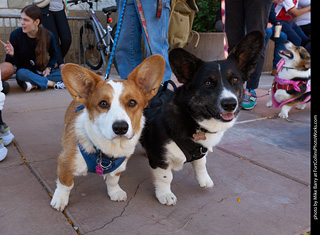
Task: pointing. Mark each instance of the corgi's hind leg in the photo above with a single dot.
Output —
(301, 106)
(269, 102)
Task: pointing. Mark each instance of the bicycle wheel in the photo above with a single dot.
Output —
(88, 46)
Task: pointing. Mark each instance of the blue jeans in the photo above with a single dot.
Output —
(25, 75)
(294, 33)
(128, 53)
(278, 44)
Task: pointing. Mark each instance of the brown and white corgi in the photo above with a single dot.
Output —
(292, 83)
(103, 124)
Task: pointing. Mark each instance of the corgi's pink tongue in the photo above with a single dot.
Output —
(227, 116)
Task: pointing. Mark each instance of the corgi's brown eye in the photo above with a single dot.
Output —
(234, 80)
(208, 83)
(132, 103)
(104, 104)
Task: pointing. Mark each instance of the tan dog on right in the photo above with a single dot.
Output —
(292, 83)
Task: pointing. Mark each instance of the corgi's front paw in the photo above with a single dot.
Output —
(118, 196)
(167, 199)
(283, 115)
(269, 103)
(59, 200)
(206, 182)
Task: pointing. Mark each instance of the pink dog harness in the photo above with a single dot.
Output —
(287, 85)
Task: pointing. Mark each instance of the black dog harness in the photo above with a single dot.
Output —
(192, 151)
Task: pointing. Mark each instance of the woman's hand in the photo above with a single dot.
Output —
(46, 72)
(8, 48)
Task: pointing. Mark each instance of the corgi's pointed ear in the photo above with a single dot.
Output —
(79, 81)
(184, 64)
(148, 75)
(248, 51)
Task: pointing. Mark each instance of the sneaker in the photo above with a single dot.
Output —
(6, 135)
(6, 87)
(249, 99)
(274, 72)
(3, 150)
(59, 85)
(27, 86)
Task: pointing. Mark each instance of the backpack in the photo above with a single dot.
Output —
(180, 22)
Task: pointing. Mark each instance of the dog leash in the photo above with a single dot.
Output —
(111, 59)
(143, 19)
(223, 18)
(144, 25)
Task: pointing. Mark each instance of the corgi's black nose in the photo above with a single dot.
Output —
(229, 104)
(120, 127)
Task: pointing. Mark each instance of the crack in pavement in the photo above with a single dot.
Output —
(122, 212)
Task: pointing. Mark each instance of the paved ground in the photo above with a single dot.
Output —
(261, 172)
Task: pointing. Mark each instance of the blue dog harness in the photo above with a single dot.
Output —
(98, 162)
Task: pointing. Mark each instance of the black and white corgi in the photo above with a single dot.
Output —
(193, 119)
(292, 83)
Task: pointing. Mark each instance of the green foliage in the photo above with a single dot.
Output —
(205, 19)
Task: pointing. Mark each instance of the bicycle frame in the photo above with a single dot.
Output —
(104, 40)
(101, 33)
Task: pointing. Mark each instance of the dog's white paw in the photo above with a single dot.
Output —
(283, 115)
(59, 200)
(167, 199)
(301, 106)
(118, 196)
(206, 182)
(269, 103)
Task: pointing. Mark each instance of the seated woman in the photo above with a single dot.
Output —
(285, 11)
(32, 49)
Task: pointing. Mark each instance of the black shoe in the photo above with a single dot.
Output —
(6, 87)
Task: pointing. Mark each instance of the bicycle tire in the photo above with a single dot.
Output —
(88, 46)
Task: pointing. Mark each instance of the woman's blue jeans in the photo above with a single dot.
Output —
(278, 44)
(128, 53)
(25, 75)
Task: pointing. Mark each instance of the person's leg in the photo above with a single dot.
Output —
(291, 34)
(269, 33)
(55, 75)
(6, 136)
(235, 22)
(128, 53)
(157, 31)
(63, 32)
(257, 14)
(300, 33)
(25, 75)
(49, 23)
(279, 45)
(306, 29)
(7, 70)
